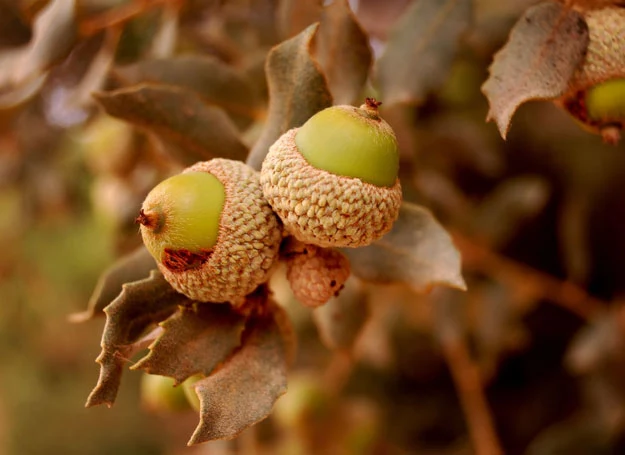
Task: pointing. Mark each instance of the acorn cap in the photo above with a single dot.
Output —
(605, 55)
(322, 208)
(316, 274)
(247, 244)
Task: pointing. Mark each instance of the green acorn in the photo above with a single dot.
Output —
(333, 182)
(213, 235)
(596, 94)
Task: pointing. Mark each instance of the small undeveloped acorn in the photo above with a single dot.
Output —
(333, 182)
(213, 235)
(315, 274)
(596, 90)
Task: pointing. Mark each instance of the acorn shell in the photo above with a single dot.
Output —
(247, 244)
(317, 274)
(322, 208)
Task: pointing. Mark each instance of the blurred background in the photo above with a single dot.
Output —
(529, 359)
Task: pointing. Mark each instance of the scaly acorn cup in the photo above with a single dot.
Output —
(596, 92)
(315, 274)
(213, 235)
(333, 181)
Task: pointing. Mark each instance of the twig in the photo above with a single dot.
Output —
(468, 383)
(541, 285)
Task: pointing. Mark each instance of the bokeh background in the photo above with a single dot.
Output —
(532, 353)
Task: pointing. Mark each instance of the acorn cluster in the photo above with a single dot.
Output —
(217, 229)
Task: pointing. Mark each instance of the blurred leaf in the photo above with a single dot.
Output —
(216, 82)
(341, 319)
(579, 435)
(421, 49)
(544, 49)
(14, 31)
(243, 391)
(132, 267)
(417, 252)
(53, 37)
(293, 16)
(342, 49)
(177, 116)
(297, 90)
(141, 304)
(502, 213)
(21, 92)
(194, 340)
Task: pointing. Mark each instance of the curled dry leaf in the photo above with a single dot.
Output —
(297, 91)
(132, 267)
(421, 49)
(417, 252)
(216, 83)
(196, 131)
(342, 49)
(194, 340)
(543, 52)
(140, 305)
(242, 392)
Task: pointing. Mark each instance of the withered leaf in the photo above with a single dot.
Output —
(140, 305)
(54, 35)
(194, 340)
(342, 49)
(542, 53)
(297, 90)
(421, 49)
(132, 267)
(14, 31)
(341, 319)
(243, 391)
(217, 83)
(417, 251)
(197, 131)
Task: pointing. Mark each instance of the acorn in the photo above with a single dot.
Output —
(596, 91)
(160, 394)
(315, 274)
(333, 181)
(213, 235)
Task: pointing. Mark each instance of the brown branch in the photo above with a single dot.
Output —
(528, 280)
(468, 383)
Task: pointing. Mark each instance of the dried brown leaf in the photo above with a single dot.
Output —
(417, 251)
(196, 131)
(132, 267)
(217, 83)
(542, 53)
(421, 49)
(293, 16)
(342, 49)
(242, 392)
(341, 319)
(297, 90)
(140, 305)
(194, 340)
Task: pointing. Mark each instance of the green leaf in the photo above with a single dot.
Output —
(297, 90)
(194, 340)
(140, 305)
(342, 49)
(217, 83)
(417, 252)
(421, 49)
(341, 319)
(132, 267)
(242, 392)
(542, 53)
(195, 131)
